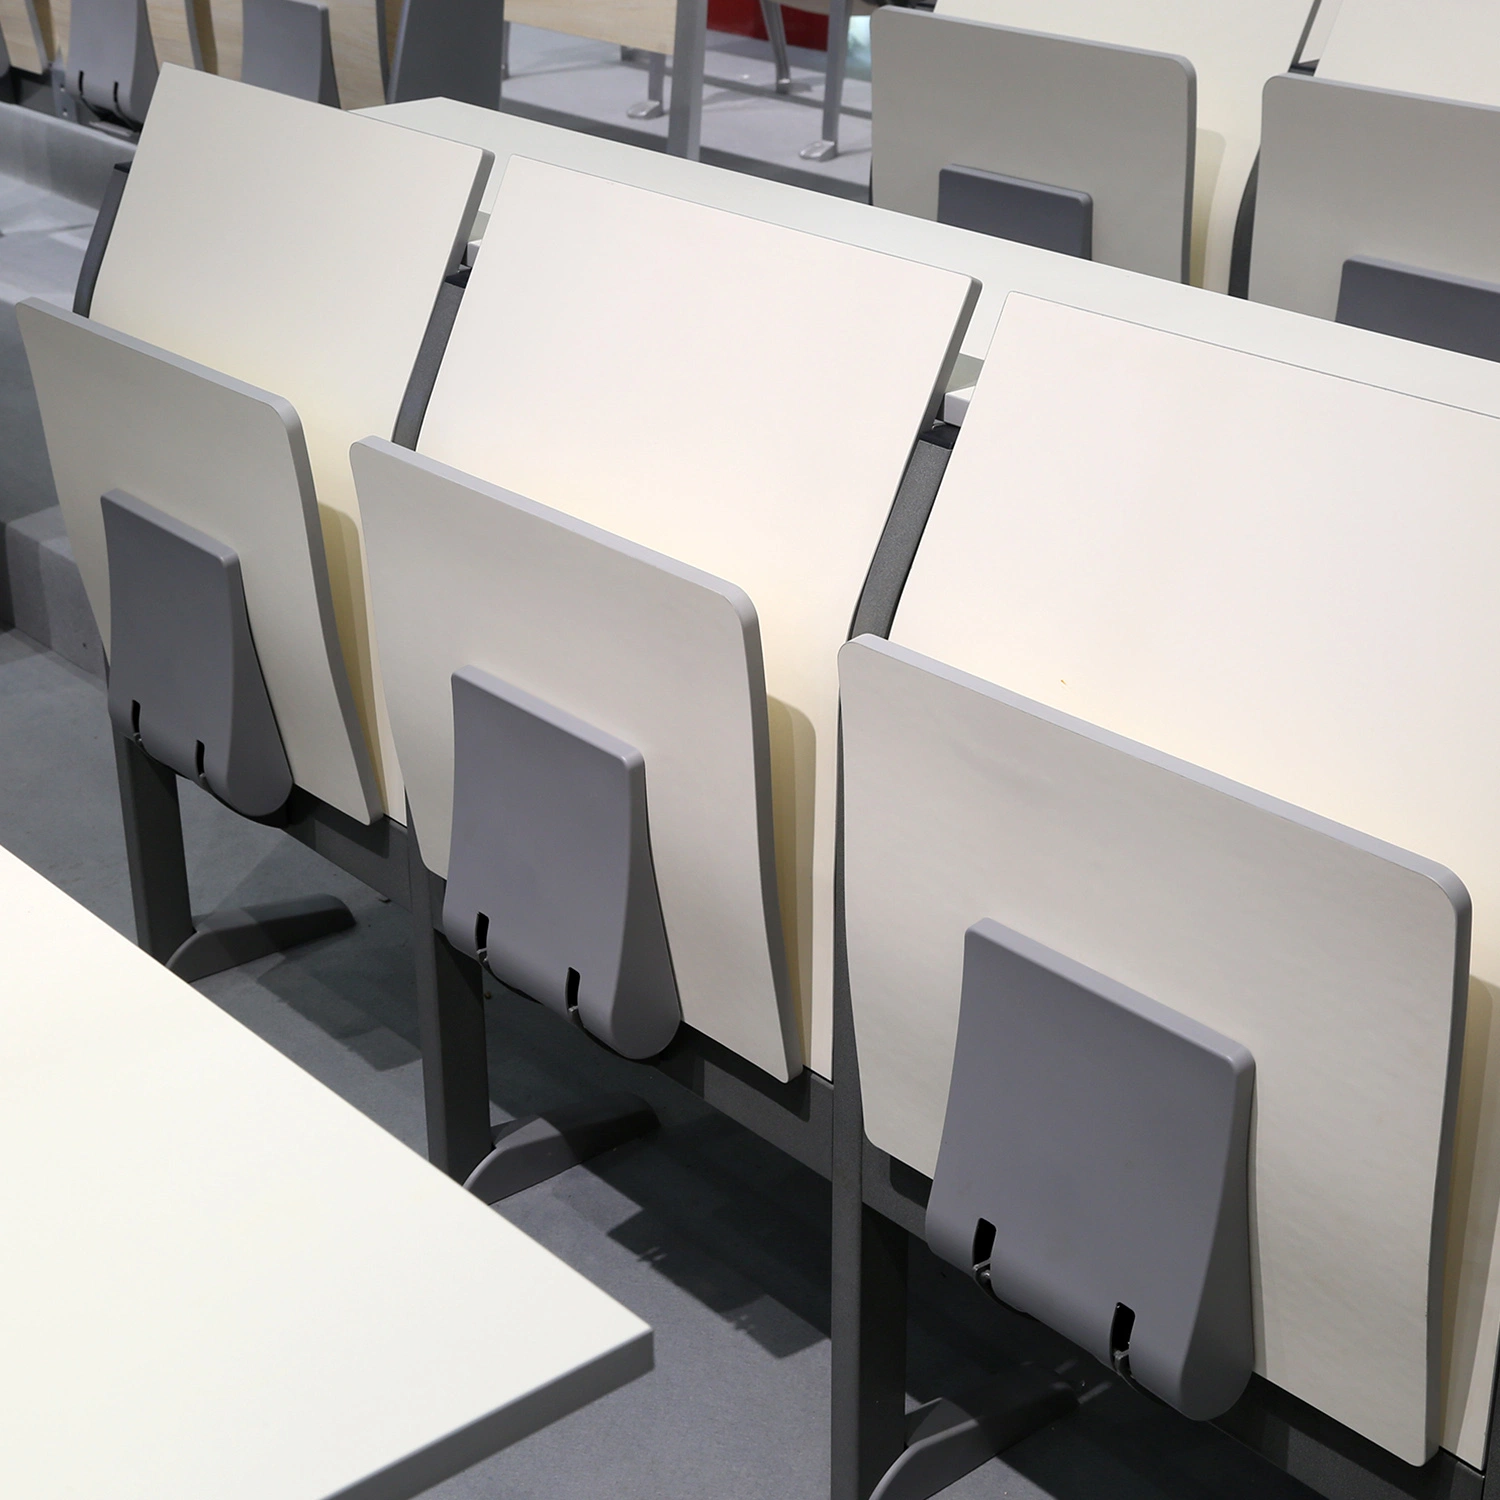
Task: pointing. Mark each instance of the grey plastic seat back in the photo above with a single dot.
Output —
(449, 49)
(1450, 312)
(185, 680)
(111, 62)
(1093, 1170)
(550, 877)
(1376, 208)
(1031, 213)
(288, 47)
(1114, 125)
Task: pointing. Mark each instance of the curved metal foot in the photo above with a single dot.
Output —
(531, 1150)
(947, 1439)
(227, 939)
(819, 151)
(647, 109)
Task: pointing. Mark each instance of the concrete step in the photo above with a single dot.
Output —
(41, 590)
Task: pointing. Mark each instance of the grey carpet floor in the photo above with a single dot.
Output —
(712, 1236)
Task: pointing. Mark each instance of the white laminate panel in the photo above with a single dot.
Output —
(229, 460)
(647, 24)
(1338, 962)
(665, 658)
(261, 1292)
(1446, 48)
(999, 265)
(1311, 619)
(1114, 122)
(773, 472)
(299, 249)
(1233, 47)
(1347, 170)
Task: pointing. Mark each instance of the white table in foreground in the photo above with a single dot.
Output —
(221, 1280)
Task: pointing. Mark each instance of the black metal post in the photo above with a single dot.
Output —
(868, 1418)
(153, 850)
(450, 1014)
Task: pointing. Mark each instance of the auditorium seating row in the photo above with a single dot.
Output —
(1069, 831)
(1326, 158)
(1332, 160)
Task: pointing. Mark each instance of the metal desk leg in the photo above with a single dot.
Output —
(770, 12)
(450, 1016)
(833, 85)
(868, 1314)
(164, 923)
(685, 118)
(492, 1163)
(652, 108)
(153, 850)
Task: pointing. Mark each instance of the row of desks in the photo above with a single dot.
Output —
(671, 550)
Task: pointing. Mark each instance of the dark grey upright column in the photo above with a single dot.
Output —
(153, 850)
(450, 1017)
(868, 1314)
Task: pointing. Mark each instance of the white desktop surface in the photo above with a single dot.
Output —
(664, 657)
(1443, 48)
(682, 434)
(1315, 623)
(996, 264)
(221, 1280)
(1000, 266)
(1233, 47)
(231, 249)
(1302, 941)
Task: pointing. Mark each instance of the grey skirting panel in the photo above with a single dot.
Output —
(41, 591)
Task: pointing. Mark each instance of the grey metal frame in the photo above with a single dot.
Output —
(112, 37)
(685, 110)
(826, 147)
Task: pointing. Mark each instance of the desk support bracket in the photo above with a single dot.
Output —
(551, 884)
(946, 1439)
(165, 927)
(186, 697)
(492, 1162)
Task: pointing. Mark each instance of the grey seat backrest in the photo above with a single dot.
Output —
(288, 47)
(1093, 1171)
(1351, 173)
(449, 49)
(111, 62)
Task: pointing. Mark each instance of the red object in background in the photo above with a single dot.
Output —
(742, 18)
